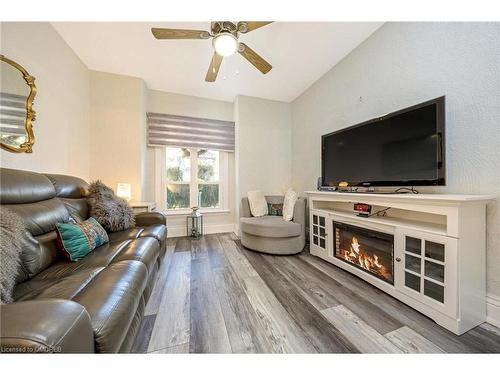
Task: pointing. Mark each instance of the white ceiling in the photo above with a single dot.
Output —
(300, 53)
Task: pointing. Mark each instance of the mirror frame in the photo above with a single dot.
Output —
(30, 113)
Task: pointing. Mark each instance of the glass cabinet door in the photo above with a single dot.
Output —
(428, 268)
(319, 232)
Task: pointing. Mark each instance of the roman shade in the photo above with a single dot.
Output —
(12, 114)
(189, 132)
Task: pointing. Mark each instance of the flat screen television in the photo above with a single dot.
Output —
(404, 148)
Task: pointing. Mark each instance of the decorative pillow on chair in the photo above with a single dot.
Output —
(78, 239)
(112, 212)
(275, 209)
(257, 203)
(289, 204)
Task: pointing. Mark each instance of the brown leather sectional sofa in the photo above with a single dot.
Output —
(93, 305)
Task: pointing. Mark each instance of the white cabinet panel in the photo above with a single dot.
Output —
(426, 268)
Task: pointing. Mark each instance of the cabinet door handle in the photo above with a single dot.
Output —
(398, 259)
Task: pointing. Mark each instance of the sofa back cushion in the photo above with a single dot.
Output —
(33, 197)
(72, 191)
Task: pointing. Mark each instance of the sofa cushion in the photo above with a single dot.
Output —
(124, 235)
(109, 294)
(68, 186)
(269, 226)
(99, 257)
(157, 231)
(145, 250)
(65, 287)
(17, 187)
(111, 300)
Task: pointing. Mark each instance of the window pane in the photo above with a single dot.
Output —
(177, 196)
(208, 166)
(208, 195)
(434, 271)
(413, 245)
(178, 165)
(412, 263)
(434, 291)
(434, 250)
(412, 281)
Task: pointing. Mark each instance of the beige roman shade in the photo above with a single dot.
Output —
(12, 114)
(190, 132)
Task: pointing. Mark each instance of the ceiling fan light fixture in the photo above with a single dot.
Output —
(225, 44)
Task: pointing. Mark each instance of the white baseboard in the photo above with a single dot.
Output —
(493, 310)
(180, 230)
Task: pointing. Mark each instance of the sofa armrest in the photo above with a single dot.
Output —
(299, 212)
(45, 326)
(145, 219)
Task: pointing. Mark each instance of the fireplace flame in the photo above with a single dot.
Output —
(369, 262)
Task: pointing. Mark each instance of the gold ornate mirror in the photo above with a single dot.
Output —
(17, 91)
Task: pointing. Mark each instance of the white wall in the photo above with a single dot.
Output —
(118, 130)
(185, 105)
(61, 103)
(263, 146)
(403, 64)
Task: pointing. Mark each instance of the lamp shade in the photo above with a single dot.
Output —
(124, 190)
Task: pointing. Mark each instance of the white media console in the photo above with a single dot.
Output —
(439, 249)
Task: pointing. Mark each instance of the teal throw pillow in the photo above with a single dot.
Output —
(275, 209)
(78, 239)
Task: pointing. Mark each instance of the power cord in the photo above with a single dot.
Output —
(382, 212)
(405, 190)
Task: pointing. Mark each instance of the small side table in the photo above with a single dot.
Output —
(140, 207)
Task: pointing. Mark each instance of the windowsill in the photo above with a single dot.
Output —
(206, 211)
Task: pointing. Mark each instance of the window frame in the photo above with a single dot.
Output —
(161, 177)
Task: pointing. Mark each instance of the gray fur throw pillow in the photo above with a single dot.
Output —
(112, 212)
(12, 230)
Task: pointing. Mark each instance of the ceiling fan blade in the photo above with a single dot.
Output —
(213, 69)
(247, 26)
(179, 34)
(254, 58)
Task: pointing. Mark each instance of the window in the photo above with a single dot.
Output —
(193, 177)
(208, 179)
(178, 163)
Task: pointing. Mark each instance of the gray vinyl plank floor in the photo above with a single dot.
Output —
(214, 296)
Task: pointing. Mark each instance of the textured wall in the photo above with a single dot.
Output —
(263, 146)
(403, 64)
(118, 130)
(61, 103)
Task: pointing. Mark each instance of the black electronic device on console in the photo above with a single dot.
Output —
(363, 209)
(320, 187)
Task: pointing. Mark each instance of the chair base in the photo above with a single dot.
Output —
(272, 245)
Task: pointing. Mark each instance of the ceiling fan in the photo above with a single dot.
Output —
(225, 43)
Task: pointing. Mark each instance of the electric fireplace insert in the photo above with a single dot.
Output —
(368, 250)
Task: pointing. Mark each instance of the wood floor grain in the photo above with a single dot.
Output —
(207, 327)
(172, 323)
(156, 295)
(143, 337)
(362, 335)
(324, 337)
(410, 341)
(214, 296)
